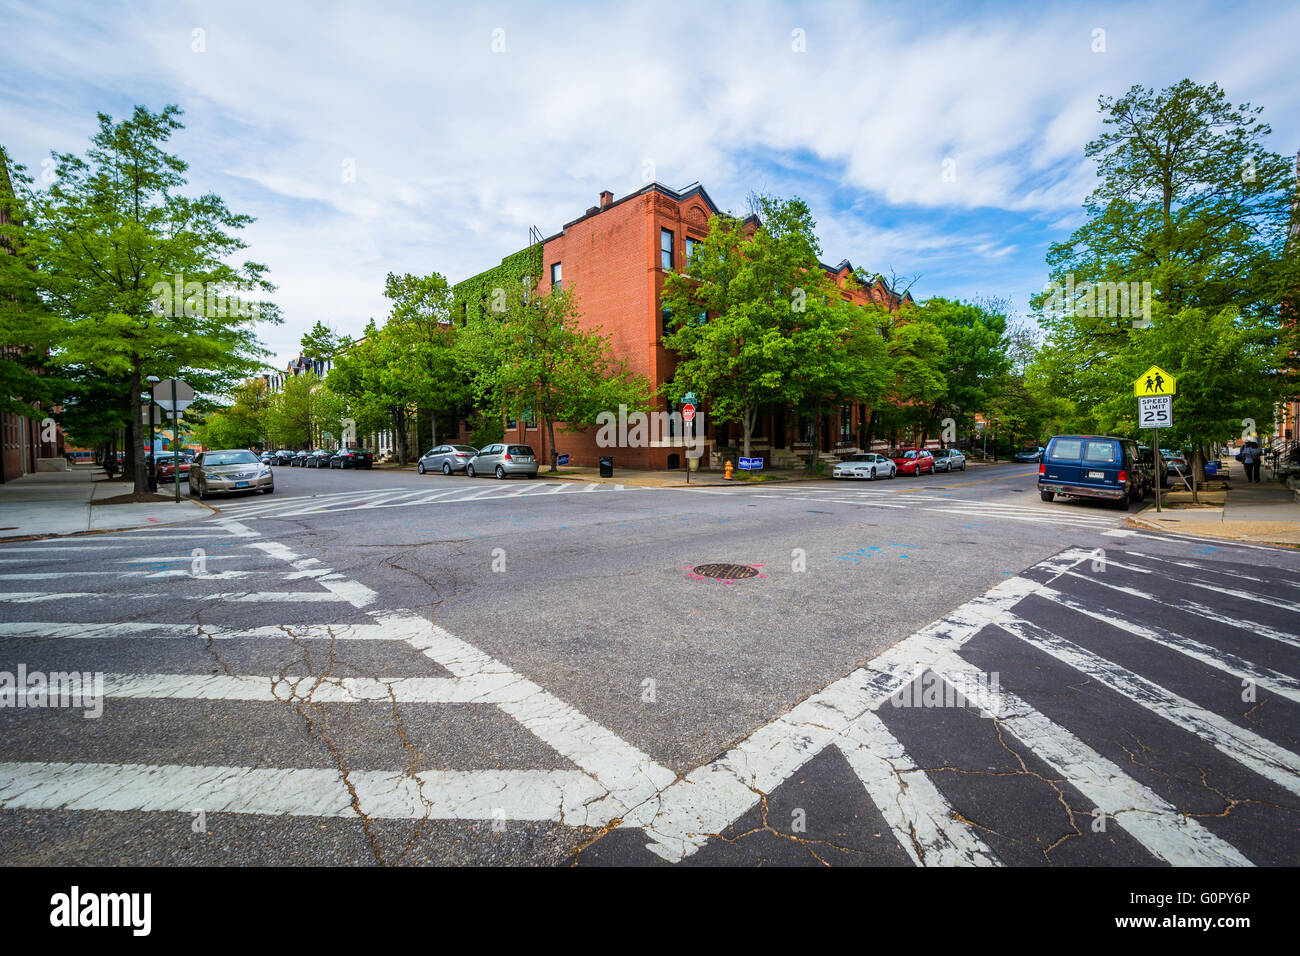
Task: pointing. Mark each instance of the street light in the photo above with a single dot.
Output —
(153, 472)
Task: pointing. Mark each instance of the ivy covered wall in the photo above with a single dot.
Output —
(471, 298)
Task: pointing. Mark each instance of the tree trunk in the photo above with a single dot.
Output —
(550, 440)
(747, 423)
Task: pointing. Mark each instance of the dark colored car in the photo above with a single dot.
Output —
(283, 457)
(1029, 454)
(913, 461)
(1094, 466)
(267, 458)
(318, 459)
(352, 458)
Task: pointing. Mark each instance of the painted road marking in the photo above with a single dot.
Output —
(1244, 746)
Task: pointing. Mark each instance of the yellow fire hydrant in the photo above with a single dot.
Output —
(726, 472)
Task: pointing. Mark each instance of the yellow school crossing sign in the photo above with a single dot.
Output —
(1154, 381)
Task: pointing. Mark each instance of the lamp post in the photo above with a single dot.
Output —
(995, 439)
(153, 473)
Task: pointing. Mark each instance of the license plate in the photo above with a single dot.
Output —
(241, 484)
(1096, 474)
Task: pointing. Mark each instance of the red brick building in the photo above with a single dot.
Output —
(614, 258)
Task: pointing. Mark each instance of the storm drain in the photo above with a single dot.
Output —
(726, 572)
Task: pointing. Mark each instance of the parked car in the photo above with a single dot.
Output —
(318, 459)
(165, 466)
(866, 465)
(229, 470)
(352, 458)
(446, 459)
(1029, 454)
(503, 460)
(267, 458)
(1094, 466)
(283, 457)
(913, 461)
(949, 459)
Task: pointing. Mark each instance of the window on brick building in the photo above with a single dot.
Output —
(666, 249)
(692, 250)
(555, 276)
(846, 423)
(530, 418)
(668, 321)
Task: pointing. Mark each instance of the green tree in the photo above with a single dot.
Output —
(136, 273)
(549, 366)
(974, 362)
(1190, 200)
(732, 311)
(243, 424)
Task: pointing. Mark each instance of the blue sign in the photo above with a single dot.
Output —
(751, 464)
(562, 460)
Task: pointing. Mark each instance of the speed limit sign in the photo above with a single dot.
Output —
(1155, 411)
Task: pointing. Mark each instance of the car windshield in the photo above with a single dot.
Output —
(909, 454)
(214, 458)
(863, 458)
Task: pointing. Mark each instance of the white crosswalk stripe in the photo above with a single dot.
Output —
(487, 490)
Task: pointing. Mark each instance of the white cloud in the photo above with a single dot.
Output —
(458, 150)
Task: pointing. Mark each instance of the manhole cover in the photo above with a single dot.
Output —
(726, 572)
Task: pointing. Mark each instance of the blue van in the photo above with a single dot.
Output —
(1094, 466)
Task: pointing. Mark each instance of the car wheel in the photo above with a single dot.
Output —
(469, 471)
(420, 468)
(532, 474)
(501, 472)
(873, 474)
(201, 492)
(267, 491)
(1047, 495)
(446, 468)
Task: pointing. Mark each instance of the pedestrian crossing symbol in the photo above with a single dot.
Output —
(1154, 381)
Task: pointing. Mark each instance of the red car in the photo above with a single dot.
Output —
(165, 465)
(913, 461)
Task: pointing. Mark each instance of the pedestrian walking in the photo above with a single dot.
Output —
(1249, 458)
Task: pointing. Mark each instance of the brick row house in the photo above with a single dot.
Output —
(615, 258)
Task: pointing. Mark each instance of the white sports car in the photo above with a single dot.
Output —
(869, 466)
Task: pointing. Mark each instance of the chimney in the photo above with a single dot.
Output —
(606, 198)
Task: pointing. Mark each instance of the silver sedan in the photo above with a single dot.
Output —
(446, 459)
(227, 471)
(949, 459)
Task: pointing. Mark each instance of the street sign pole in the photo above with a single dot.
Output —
(1155, 461)
(176, 448)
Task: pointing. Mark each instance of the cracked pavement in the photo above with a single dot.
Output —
(529, 673)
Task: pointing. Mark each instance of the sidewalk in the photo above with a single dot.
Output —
(635, 478)
(71, 502)
(1264, 513)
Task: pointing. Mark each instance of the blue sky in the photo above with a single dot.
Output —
(466, 124)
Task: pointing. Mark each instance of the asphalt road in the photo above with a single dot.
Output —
(376, 666)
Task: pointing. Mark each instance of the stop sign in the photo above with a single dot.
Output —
(688, 413)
